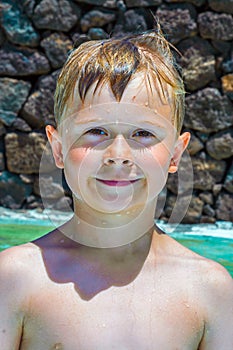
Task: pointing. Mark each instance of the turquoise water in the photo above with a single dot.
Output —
(212, 241)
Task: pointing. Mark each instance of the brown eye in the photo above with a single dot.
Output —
(143, 133)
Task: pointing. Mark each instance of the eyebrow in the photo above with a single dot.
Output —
(90, 120)
(153, 123)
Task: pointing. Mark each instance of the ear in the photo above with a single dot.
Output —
(55, 142)
(181, 144)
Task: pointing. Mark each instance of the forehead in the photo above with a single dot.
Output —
(140, 94)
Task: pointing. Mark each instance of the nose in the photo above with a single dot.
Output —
(118, 153)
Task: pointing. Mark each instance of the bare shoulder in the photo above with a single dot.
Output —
(208, 271)
(16, 277)
(207, 281)
(17, 262)
(24, 257)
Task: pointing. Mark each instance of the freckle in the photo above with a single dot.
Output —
(58, 346)
(133, 98)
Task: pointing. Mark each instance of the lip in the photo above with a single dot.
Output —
(118, 183)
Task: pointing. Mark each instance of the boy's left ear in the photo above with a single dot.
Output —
(181, 144)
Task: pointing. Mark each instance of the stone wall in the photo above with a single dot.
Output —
(35, 37)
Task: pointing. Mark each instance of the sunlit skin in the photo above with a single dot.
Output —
(79, 287)
(103, 144)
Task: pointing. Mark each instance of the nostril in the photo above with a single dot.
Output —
(118, 161)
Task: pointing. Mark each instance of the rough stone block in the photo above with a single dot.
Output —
(13, 191)
(220, 145)
(13, 95)
(96, 18)
(24, 152)
(221, 5)
(208, 111)
(195, 145)
(224, 207)
(131, 21)
(223, 47)
(56, 47)
(194, 212)
(215, 26)
(197, 62)
(17, 26)
(177, 23)
(207, 172)
(21, 62)
(207, 197)
(21, 125)
(38, 110)
(60, 15)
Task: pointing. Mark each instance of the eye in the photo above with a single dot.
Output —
(96, 131)
(143, 133)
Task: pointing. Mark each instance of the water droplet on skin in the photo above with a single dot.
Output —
(103, 222)
(104, 325)
(146, 103)
(128, 212)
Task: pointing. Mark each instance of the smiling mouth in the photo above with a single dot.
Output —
(119, 183)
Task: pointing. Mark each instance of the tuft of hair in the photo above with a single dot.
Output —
(114, 61)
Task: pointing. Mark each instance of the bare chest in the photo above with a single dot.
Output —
(138, 316)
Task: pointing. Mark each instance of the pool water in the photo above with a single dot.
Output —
(216, 248)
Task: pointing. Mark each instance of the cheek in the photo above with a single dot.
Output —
(83, 161)
(155, 160)
(155, 163)
(76, 156)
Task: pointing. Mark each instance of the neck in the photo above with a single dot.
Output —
(109, 230)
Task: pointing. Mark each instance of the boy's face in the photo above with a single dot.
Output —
(117, 155)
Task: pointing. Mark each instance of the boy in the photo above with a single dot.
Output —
(109, 279)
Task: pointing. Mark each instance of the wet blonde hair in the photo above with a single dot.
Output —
(114, 61)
